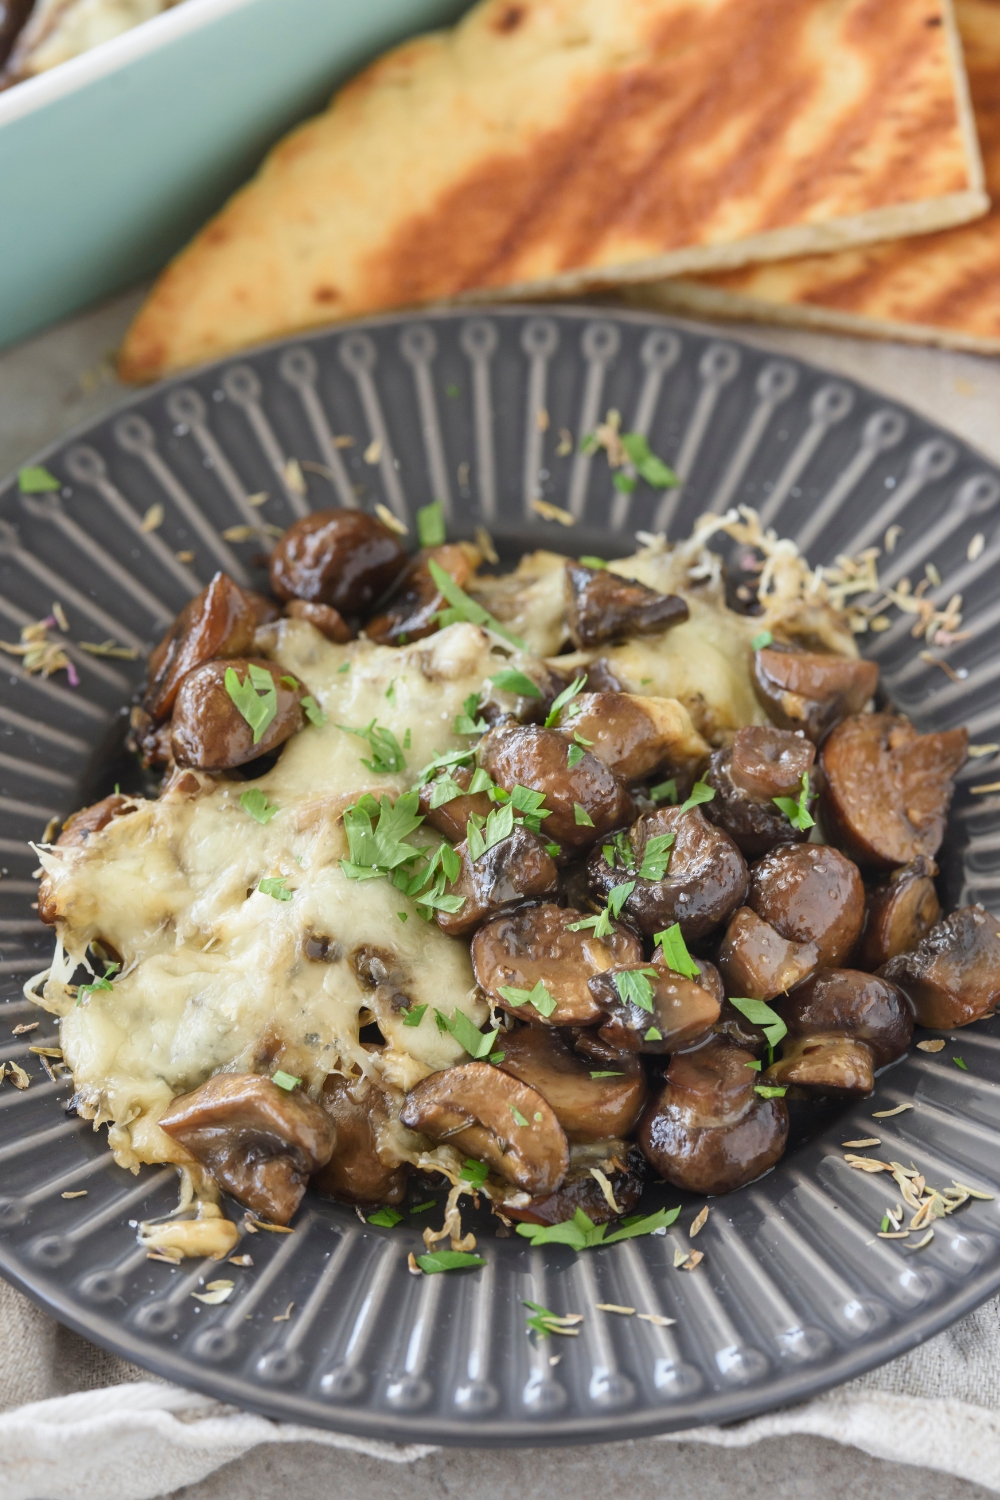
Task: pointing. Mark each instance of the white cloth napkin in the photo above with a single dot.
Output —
(98, 1426)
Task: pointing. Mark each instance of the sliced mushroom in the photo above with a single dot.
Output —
(591, 1098)
(809, 893)
(519, 948)
(452, 817)
(709, 1131)
(762, 764)
(756, 960)
(899, 913)
(705, 879)
(888, 788)
(357, 1172)
(602, 606)
(260, 1142)
(328, 621)
(494, 1118)
(842, 1026)
(220, 621)
(340, 557)
(416, 598)
(677, 1009)
(810, 690)
(953, 976)
(623, 1169)
(518, 868)
(78, 829)
(209, 732)
(634, 736)
(585, 801)
(734, 1026)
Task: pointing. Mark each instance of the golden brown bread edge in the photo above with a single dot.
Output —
(553, 146)
(942, 288)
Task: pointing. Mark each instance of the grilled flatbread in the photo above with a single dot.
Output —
(550, 146)
(939, 289)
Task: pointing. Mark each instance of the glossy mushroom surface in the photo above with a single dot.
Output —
(756, 960)
(762, 763)
(887, 788)
(592, 1098)
(842, 1026)
(810, 893)
(209, 732)
(705, 878)
(624, 1170)
(634, 736)
(518, 949)
(220, 621)
(260, 1142)
(601, 606)
(328, 621)
(584, 801)
(451, 817)
(709, 1131)
(516, 869)
(344, 558)
(358, 1172)
(952, 977)
(659, 1015)
(899, 913)
(811, 691)
(409, 613)
(478, 1109)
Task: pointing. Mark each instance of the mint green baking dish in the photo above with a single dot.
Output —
(109, 162)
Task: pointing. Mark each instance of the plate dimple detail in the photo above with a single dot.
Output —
(327, 1327)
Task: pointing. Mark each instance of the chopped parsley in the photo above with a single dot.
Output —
(377, 834)
(796, 810)
(624, 483)
(421, 1208)
(566, 696)
(481, 782)
(255, 698)
(466, 1033)
(474, 1173)
(653, 470)
(447, 1260)
(276, 886)
(769, 1090)
(430, 524)
(510, 680)
(386, 1218)
(464, 608)
(601, 923)
(581, 817)
(414, 1015)
(574, 756)
(467, 721)
(443, 762)
(759, 1013)
(518, 1117)
(656, 857)
(581, 1233)
(764, 638)
(387, 752)
(674, 949)
(287, 1081)
(666, 791)
(653, 1035)
(254, 802)
(593, 562)
(634, 988)
(443, 791)
(961, 1063)
(607, 1073)
(699, 793)
(104, 983)
(36, 480)
(539, 997)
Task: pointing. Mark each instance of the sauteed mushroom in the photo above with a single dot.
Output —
(899, 912)
(328, 621)
(340, 557)
(762, 764)
(842, 1026)
(705, 877)
(952, 977)
(888, 788)
(451, 818)
(592, 1099)
(535, 943)
(208, 730)
(709, 1131)
(356, 1172)
(756, 960)
(634, 736)
(623, 1168)
(810, 690)
(810, 894)
(515, 869)
(602, 606)
(655, 1010)
(494, 1118)
(220, 621)
(416, 598)
(260, 1142)
(585, 801)
(78, 829)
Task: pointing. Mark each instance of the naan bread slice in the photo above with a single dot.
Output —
(550, 146)
(939, 289)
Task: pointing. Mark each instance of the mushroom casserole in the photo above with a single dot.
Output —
(543, 883)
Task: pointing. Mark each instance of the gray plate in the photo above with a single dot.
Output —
(795, 1292)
